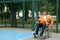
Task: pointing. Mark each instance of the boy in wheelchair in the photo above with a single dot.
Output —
(43, 21)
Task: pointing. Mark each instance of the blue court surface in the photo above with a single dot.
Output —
(14, 35)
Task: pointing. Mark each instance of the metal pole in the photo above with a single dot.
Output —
(23, 18)
(57, 3)
(37, 10)
(32, 14)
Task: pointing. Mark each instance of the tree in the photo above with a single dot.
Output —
(12, 7)
(1, 11)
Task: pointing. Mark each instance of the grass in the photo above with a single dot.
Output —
(19, 21)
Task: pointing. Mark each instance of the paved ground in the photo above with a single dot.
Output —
(54, 36)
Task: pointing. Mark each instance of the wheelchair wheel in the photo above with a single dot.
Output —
(41, 38)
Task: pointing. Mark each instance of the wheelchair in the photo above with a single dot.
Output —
(46, 33)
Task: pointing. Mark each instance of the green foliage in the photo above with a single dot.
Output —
(48, 4)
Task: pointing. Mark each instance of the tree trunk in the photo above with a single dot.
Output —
(13, 15)
(26, 14)
(13, 19)
(1, 16)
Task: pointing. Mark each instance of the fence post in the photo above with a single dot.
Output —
(57, 3)
(32, 14)
(23, 18)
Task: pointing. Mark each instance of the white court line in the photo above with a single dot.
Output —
(25, 37)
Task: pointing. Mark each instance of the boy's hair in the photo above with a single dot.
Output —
(45, 10)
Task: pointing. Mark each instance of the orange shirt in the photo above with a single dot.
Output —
(48, 19)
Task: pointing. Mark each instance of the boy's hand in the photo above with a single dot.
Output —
(47, 23)
(50, 25)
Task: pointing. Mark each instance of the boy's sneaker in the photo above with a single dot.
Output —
(35, 35)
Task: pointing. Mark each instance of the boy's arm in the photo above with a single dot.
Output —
(51, 22)
(39, 18)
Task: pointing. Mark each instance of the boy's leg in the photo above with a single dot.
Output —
(43, 28)
(37, 28)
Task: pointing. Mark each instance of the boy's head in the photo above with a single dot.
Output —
(44, 12)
